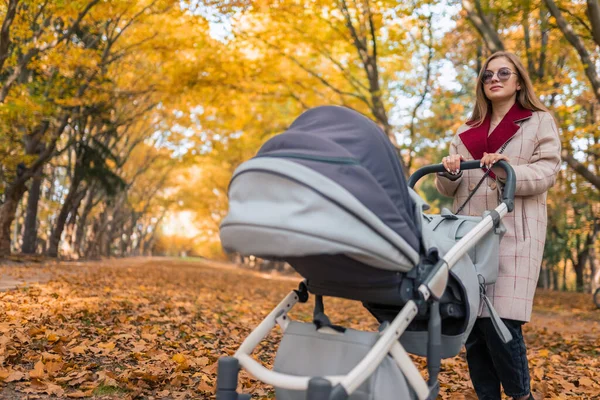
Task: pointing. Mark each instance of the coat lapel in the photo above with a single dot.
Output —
(507, 127)
(477, 141)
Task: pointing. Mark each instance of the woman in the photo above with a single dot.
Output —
(508, 123)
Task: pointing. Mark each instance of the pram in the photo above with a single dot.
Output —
(329, 197)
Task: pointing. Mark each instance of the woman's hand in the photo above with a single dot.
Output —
(489, 159)
(452, 163)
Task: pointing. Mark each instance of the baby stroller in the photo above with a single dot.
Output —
(329, 197)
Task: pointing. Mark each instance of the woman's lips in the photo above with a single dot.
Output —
(495, 87)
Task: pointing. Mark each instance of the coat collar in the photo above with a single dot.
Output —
(477, 141)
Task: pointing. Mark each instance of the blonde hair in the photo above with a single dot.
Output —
(525, 96)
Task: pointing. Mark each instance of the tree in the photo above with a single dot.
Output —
(341, 53)
(77, 60)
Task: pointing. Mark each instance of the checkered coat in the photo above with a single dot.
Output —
(534, 153)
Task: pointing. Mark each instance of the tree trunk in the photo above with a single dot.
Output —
(594, 272)
(82, 221)
(18, 227)
(593, 12)
(110, 237)
(527, 39)
(72, 220)
(66, 208)
(555, 279)
(149, 243)
(543, 42)
(101, 225)
(12, 196)
(96, 236)
(126, 242)
(564, 277)
(15, 190)
(579, 272)
(30, 234)
(544, 281)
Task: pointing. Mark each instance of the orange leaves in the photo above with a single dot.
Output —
(11, 375)
(162, 326)
(106, 348)
(107, 378)
(38, 371)
(182, 362)
(39, 386)
(80, 394)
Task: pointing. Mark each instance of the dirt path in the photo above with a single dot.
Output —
(154, 329)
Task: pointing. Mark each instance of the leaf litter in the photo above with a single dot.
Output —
(155, 328)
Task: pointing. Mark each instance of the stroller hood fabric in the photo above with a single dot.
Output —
(354, 152)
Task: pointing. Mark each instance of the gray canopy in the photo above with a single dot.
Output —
(354, 152)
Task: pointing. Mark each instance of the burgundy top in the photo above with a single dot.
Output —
(477, 141)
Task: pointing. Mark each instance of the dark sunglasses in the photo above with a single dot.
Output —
(503, 75)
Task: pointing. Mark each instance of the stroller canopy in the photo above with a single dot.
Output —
(353, 151)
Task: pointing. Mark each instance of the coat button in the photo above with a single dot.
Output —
(493, 185)
(472, 187)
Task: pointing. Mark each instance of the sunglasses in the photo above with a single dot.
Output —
(503, 75)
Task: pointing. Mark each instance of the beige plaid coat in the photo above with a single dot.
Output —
(534, 153)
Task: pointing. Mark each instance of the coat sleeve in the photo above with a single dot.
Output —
(539, 174)
(447, 183)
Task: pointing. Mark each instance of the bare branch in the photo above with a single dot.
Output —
(543, 41)
(578, 45)
(314, 74)
(577, 18)
(355, 82)
(593, 12)
(426, 89)
(372, 31)
(484, 27)
(527, 39)
(358, 43)
(9, 17)
(581, 169)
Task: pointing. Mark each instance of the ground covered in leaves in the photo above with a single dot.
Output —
(154, 329)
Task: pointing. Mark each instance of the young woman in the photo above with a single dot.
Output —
(508, 123)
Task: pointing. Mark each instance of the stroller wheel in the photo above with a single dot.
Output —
(597, 297)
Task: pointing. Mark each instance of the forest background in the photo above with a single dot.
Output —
(122, 121)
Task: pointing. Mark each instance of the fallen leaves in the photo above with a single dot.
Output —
(38, 371)
(135, 329)
(11, 375)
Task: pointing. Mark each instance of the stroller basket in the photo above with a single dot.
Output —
(353, 230)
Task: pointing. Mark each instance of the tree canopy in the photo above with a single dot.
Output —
(117, 116)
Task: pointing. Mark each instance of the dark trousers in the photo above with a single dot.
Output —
(493, 363)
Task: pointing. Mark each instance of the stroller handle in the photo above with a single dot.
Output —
(508, 193)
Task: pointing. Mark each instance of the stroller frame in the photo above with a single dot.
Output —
(430, 290)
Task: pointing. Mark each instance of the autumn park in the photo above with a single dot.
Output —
(123, 121)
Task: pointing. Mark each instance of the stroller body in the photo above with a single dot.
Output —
(329, 197)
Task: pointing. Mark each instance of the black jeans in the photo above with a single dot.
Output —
(492, 362)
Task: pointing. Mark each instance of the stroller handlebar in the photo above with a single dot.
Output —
(508, 193)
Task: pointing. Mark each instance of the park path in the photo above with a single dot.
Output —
(153, 328)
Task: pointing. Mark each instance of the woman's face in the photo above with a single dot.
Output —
(498, 89)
